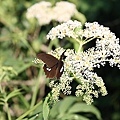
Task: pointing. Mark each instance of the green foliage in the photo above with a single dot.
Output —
(5, 98)
(22, 84)
(69, 108)
(7, 72)
(46, 109)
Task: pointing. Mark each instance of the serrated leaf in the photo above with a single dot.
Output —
(82, 107)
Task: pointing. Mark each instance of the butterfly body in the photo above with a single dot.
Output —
(53, 67)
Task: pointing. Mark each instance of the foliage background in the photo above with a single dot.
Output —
(20, 41)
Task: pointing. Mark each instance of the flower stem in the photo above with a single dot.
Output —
(37, 84)
(8, 112)
(29, 111)
(80, 48)
(1, 77)
(85, 42)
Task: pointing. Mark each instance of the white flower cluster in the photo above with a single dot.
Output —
(36, 61)
(80, 66)
(65, 29)
(77, 67)
(45, 13)
(92, 30)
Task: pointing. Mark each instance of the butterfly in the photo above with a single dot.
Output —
(53, 67)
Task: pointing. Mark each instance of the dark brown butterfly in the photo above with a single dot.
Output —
(53, 67)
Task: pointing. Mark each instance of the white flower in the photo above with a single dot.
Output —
(64, 10)
(41, 11)
(63, 30)
(45, 13)
(72, 29)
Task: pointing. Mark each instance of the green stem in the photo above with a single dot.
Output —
(28, 45)
(79, 16)
(34, 94)
(37, 84)
(80, 48)
(1, 77)
(29, 111)
(85, 42)
(55, 43)
(81, 43)
(8, 112)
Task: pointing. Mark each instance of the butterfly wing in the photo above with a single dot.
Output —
(48, 59)
(53, 67)
(59, 69)
(50, 72)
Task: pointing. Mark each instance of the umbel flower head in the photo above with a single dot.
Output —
(44, 12)
(79, 65)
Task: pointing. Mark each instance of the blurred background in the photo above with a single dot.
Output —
(21, 40)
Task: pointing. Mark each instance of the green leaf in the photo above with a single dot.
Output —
(46, 109)
(74, 117)
(24, 101)
(34, 117)
(2, 103)
(82, 107)
(66, 104)
(54, 111)
(2, 99)
(12, 94)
